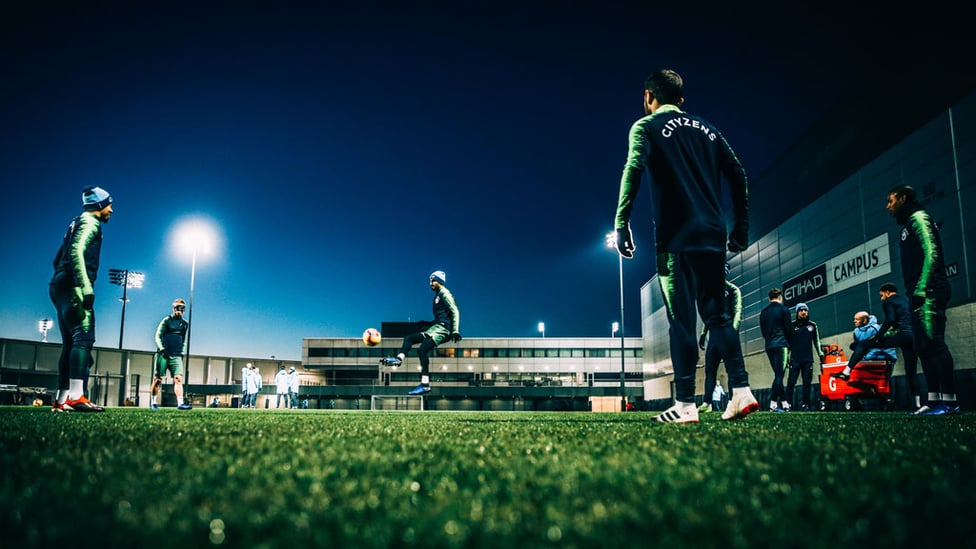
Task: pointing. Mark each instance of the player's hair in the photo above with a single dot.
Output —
(904, 191)
(665, 85)
(888, 287)
(179, 300)
(774, 293)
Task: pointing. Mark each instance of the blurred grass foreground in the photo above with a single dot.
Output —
(289, 478)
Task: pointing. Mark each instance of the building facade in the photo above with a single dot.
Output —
(487, 373)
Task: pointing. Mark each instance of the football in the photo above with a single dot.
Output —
(372, 337)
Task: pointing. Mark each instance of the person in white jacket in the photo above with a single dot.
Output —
(245, 373)
(293, 387)
(254, 384)
(283, 388)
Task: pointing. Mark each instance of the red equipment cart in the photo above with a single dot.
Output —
(869, 382)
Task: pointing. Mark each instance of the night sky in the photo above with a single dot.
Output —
(345, 152)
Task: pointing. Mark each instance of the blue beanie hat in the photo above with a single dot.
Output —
(439, 276)
(802, 307)
(95, 198)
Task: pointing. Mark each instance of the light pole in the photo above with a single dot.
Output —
(193, 235)
(43, 326)
(542, 328)
(189, 313)
(612, 244)
(127, 279)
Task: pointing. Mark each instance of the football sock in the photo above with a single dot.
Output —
(684, 406)
(425, 380)
(77, 389)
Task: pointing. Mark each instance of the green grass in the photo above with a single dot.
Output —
(269, 478)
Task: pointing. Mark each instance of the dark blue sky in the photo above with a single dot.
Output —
(345, 152)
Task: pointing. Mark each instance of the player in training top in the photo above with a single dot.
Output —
(686, 158)
(72, 291)
(445, 326)
(170, 335)
(928, 290)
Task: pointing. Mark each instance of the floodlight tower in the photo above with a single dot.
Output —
(612, 244)
(43, 326)
(127, 279)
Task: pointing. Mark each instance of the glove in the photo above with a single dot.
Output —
(739, 238)
(701, 342)
(455, 337)
(917, 301)
(625, 242)
(88, 301)
(163, 353)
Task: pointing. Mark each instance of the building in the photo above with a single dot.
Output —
(520, 374)
(342, 373)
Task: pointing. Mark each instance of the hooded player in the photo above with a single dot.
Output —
(72, 291)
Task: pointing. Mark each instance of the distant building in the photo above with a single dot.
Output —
(486, 373)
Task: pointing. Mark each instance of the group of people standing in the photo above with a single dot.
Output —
(286, 381)
(915, 324)
(286, 387)
(790, 346)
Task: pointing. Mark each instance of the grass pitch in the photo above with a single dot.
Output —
(313, 478)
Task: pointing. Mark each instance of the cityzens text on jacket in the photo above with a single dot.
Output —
(683, 121)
